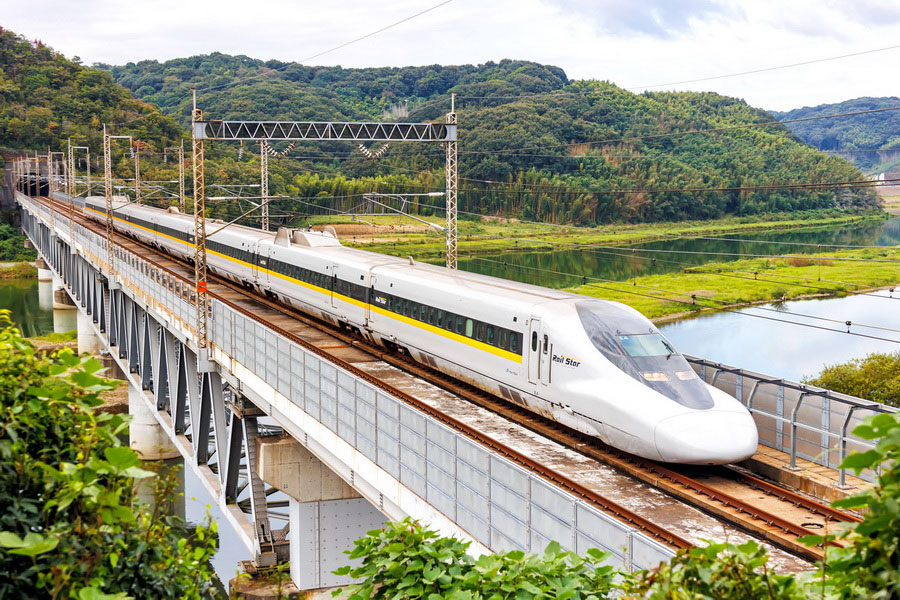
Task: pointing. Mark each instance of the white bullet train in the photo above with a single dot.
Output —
(597, 366)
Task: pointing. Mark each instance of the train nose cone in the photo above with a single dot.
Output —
(709, 437)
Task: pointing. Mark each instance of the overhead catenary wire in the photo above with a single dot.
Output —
(692, 131)
(693, 268)
(693, 302)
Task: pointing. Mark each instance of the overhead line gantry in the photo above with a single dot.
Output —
(322, 131)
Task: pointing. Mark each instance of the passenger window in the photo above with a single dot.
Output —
(479, 332)
(534, 342)
(459, 324)
(514, 342)
(440, 318)
(469, 327)
(430, 316)
(422, 308)
(504, 338)
(490, 335)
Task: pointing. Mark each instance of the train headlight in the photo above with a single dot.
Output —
(685, 375)
(655, 376)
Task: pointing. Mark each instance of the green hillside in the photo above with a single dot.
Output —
(46, 98)
(550, 178)
(521, 154)
(871, 141)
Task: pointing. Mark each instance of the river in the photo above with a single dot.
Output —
(670, 255)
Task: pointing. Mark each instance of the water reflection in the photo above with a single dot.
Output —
(788, 350)
(27, 308)
(673, 254)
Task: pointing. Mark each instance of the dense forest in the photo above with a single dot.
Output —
(533, 144)
(46, 98)
(871, 141)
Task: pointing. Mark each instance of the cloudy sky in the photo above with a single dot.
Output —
(633, 43)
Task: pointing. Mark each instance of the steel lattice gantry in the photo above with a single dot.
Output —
(264, 131)
(324, 131)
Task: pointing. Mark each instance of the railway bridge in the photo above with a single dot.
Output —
(360, 440)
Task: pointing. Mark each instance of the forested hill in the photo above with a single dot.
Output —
(521, 124)
(46, 98)
(871, 141)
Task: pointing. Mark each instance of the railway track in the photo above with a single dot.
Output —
(764, 510)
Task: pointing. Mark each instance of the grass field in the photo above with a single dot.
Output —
(660, 297)
(718, 285)
(402, 236)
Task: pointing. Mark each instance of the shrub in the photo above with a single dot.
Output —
(69, 528)
(875, 377)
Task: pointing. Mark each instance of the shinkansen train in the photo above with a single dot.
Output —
(597, 366)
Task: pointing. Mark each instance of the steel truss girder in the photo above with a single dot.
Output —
(324, 131)
(160, 362)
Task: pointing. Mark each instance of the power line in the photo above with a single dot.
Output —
(728, 239)
(693, 302)
(561, 93)
(765, 69)
(338, 47)
(692, 268)
(692, 131)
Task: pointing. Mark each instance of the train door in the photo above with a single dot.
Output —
(533, 350)
(546, 358)
(335, 287)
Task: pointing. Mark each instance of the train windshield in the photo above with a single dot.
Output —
(637, 348)
(646, 344)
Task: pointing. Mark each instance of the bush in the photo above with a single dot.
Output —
(69, 528)
(869, 566)
(875, 377)
(403, 561)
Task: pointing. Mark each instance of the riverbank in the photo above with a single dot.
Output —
(17, 270)
(715, 286)
(396, 236)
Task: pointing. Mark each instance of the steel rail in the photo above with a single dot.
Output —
(605, 504)
(720, 504)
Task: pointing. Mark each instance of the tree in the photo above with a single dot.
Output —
(875, 377)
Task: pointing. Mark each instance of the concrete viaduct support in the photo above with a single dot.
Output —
(326, 513)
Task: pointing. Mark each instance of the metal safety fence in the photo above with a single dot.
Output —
(500, 504)
(496, 501)
(801, 420)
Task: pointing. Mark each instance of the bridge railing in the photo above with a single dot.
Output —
(497, 502)
(801, 420)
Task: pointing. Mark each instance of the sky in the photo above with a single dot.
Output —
(633, 43)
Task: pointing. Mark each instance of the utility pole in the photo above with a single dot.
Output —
(108, 189)
(108, 192)
(181, 176)
(452, 178)
(70, 168)
(36, 187)
(264, 182)
(55, 175)
(199, 226)
(137, 173)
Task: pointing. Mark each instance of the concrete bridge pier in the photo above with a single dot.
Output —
(145, 435)
(64, 318)
(88, 340)
(326, 514)
(45, 295)
(44, 272)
